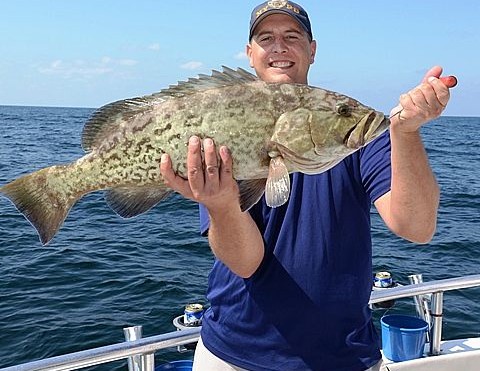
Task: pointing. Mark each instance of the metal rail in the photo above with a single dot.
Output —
(424, 288)
(436, 288)
(110, 353)
(115, 352)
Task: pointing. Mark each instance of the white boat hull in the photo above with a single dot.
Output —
(456, 355)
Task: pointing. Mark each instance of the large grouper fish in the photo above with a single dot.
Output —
(271, 129)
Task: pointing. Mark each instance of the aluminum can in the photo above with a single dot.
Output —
(193, 314)
(383, 280)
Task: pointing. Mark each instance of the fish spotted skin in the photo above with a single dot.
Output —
(271, 130)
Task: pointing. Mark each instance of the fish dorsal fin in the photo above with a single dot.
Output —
(227, 77)
(110, 118)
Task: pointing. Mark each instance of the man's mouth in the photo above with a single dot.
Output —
(281, 64)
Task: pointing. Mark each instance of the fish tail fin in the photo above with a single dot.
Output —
(41, 201)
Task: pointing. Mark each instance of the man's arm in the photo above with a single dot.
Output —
(410, 208)
(233, 235)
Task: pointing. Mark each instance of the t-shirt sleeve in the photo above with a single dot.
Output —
(375, 166)
(204, 220)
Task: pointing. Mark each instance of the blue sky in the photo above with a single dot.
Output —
(86, 53)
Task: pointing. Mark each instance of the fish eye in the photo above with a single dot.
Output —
(343, 109)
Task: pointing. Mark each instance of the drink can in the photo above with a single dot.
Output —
(193, 315)
(383, 279)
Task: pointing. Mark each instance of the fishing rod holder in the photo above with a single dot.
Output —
(436, 328)
(140, 362)
(432, 316)
(422, 302)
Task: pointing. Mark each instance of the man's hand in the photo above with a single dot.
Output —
(233, 235)
(423, 103)
(410, 208)
(210, 179)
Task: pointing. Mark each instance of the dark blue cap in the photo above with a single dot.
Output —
(280, 7)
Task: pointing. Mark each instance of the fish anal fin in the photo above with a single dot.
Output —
(132, 201)
(250, 192)
(277, 189)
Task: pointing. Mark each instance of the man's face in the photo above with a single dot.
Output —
(280, 50)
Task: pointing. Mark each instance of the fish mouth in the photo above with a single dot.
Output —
(377, 127)
(366, 130)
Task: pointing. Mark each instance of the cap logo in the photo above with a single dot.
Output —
(277, 4)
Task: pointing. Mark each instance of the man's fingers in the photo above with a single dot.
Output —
(211, 164)
(166, 169)
(172, 180)
(423, 103)
(435, 71)
(422, 96)
(195, 165)
(226, 173)
(407, 105)
(209, 174)
(441, 90)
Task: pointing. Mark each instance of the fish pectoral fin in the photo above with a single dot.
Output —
(277, 189)
(132, 201)
(250, 192)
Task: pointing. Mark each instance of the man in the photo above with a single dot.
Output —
(290, 286)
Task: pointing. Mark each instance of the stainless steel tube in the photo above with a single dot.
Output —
(425, 288)
(139, 362)
(421, 302)
(109, 353)
(437, 316)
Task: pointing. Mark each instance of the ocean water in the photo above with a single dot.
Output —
(102, 273)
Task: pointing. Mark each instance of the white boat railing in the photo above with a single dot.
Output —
(149, 345)
(110, 353)
(436, 289)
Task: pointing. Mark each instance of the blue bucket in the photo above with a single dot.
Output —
(175, 366)
(403, 337)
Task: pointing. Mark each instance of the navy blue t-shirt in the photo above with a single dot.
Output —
(306, 307)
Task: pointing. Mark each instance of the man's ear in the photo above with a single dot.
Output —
(248, 52)
(313, 47)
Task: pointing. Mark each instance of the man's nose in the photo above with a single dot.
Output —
(279, 46)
